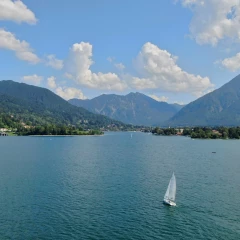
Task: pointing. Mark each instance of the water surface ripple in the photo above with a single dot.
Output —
(111, 187)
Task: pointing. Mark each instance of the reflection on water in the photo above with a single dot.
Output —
(112, 187)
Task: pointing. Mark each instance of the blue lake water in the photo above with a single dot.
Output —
(112, 187)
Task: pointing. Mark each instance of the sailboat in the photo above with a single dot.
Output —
(169, 197)
(131, 135)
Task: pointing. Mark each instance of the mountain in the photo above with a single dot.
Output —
(178, 106)
(218, 108)
(134, 108)
(36, 105)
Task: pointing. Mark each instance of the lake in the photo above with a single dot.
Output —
(112, 187)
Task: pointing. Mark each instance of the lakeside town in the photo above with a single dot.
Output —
(195, 132)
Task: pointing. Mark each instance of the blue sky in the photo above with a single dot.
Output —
(174, 51)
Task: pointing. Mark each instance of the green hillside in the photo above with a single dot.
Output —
(218, 108)
(38, 106)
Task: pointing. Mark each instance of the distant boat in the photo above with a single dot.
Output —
(169, 197)
(131, 135)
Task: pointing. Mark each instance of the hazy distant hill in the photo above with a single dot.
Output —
(39, 106)
(220, 107)
(134, 108)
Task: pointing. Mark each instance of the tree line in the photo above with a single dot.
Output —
(56, 130)
(213, 133)
(164, 131)
(202, 132)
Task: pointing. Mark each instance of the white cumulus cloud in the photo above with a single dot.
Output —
(214, 20)
(159, 99)
(32, 79)
(119, 66)
(16, 11)
(69, 93)
(22, 49)
(232, 63)
(159, 70)
(78, 67)
(51, 82)
(53, 62)
(64, 92)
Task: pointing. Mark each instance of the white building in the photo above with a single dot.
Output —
(3, 129)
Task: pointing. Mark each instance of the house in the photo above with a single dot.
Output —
(216, 132)
(3, 129)
(179, 132)
(3, 134)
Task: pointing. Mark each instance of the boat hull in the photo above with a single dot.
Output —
(169, 203)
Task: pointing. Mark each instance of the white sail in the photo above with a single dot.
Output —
(171, 190)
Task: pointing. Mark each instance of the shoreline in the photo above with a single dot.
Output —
(64, 135)
(195, 138)
(92, 135)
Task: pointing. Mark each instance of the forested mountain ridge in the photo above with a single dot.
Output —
(35, 105)
(133, 108)
(218, 108)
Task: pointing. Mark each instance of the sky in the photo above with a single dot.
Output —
(170, 50)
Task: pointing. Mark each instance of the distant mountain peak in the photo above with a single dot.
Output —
(133, 108)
